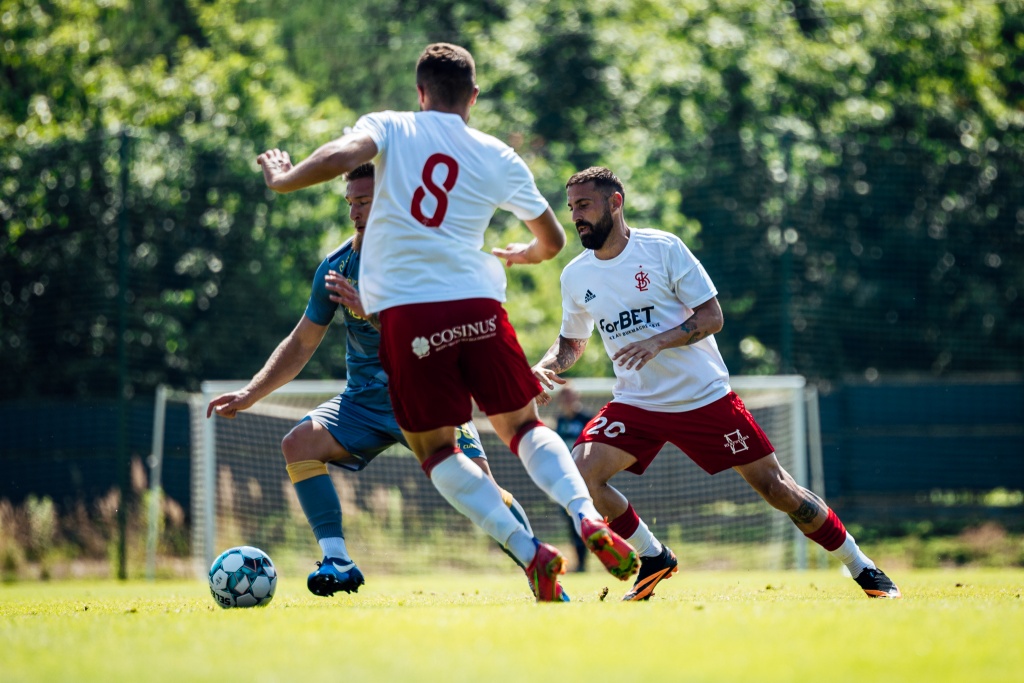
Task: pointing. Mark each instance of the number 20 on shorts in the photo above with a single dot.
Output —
(612, 430)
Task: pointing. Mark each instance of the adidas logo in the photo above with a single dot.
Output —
(589, 297)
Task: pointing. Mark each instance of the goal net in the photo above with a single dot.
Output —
(395, 521)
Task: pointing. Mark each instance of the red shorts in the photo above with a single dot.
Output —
(440, 356)
(718, 436)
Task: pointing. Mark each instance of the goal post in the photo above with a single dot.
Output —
(288, 404)
(395, 521)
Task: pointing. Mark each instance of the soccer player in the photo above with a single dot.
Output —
(354, 427)
(445, 337)
(657, 312)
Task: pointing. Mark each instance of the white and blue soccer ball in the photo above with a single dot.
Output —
(242, 577)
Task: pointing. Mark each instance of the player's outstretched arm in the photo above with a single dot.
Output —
(548, 240)
(562, 355)
(326, 163)
(707, 319)
(284, 364)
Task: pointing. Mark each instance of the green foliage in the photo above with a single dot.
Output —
(166, 140)
(850, 173)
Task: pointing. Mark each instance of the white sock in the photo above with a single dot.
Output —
(522, 545)
(520, 514)
(548, 462)
(644, 541)
(582, 508)
(334, 547)
(469, 491)
(849, 553)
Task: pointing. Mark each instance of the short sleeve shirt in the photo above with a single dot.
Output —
(438, 184)
(651, 287)
(366, 380)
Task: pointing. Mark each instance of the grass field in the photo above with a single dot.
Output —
(953, 625)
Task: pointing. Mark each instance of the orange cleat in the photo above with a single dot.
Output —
(653, 570)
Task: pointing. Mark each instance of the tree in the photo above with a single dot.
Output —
(208, 244)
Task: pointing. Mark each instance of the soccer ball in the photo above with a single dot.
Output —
(242, 577)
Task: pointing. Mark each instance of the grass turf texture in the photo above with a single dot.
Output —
(956, 625)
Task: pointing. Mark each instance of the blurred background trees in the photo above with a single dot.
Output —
(851, 173)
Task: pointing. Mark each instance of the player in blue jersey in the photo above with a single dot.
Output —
(354, 427)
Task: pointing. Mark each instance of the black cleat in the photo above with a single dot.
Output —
(653, 570)
(877, 585)
(334, 575)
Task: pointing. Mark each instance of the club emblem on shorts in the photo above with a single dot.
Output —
(642, 281)
(736, 442)
(421, 347)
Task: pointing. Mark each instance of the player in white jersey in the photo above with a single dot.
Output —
(657, 311)
(445, 337)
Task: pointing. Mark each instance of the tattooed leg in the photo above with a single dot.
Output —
(811, 512)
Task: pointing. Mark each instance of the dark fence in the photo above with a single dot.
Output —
(895, 453)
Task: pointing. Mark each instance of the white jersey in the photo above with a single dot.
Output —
(651, 287)
(437, 185)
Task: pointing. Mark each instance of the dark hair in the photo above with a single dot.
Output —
(361, 171)
(603, 179)
(447, 73)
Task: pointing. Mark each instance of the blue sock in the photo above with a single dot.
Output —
(321, 505)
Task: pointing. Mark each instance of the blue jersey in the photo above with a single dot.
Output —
(367, 381)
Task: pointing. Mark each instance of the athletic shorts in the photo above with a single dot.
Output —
(717, 436)
(441, 356)
(365, 432)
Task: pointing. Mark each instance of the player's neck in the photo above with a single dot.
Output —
(617, 240)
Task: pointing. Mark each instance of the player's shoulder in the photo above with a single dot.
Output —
(580, 261)
(391, 115)
(489, 140)
(665, 244)
(655, 237)
(340, 253)
(498, 147)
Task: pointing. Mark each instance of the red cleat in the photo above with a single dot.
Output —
(543, 573)
(615, 553)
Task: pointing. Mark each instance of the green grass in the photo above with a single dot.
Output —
(953, 625)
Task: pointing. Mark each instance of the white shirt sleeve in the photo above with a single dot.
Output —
(524, 200)
(690, 282)
(376, 126)
(576, 322)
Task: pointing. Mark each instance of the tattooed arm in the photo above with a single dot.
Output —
(706, 320)
(562, 355)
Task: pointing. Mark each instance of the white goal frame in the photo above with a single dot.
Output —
(805, 465)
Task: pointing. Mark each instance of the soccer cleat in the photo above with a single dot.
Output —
(877, 585)
(334, 575)
(615, 553)
(543, 573)
(653, 570)
(564, 598)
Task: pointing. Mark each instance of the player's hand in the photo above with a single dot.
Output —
(548, 379)
(342, 292)
(517, 252)
(636, 355)
(275, 164)
(228, 405)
